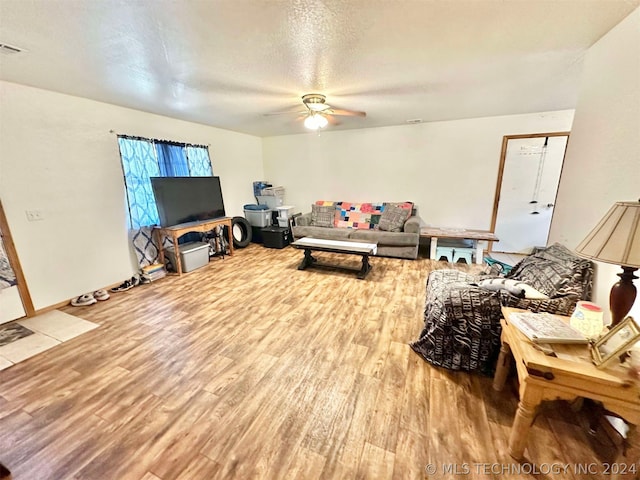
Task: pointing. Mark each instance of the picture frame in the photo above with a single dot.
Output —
(615, 343)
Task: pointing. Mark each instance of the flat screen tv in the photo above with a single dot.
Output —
(187, 199)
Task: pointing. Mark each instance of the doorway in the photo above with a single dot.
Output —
(15, 300)
(528, 179)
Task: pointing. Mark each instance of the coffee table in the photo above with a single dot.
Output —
(567, 376)
(335, 246)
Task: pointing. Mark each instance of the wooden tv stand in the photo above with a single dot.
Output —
(176, 231)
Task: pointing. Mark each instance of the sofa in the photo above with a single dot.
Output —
(462, 311)
(394, 226)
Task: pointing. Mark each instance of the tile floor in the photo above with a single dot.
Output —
(50, 329)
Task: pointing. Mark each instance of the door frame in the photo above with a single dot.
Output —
(503, 159)
(14, 261)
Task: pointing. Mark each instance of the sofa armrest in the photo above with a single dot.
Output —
(462, 323)
(412, 225)
(303, 220)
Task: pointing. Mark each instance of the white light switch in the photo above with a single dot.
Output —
(34, 215)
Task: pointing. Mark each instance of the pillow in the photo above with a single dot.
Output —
(514, 287)
(393, 218)
(322, 215)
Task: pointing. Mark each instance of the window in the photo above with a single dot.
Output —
(144, 158)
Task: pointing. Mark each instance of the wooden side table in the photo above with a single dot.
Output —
(176, 231)
(475, 235)
(569, 375)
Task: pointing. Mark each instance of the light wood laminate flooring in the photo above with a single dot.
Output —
(249, 368)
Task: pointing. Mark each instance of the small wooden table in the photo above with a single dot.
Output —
(569, 375)
(176, 231)
(439, 232)
(335, 246)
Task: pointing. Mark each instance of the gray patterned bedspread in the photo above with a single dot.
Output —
(462, 320)
(7, 277)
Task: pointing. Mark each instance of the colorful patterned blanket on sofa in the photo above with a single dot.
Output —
(362, 216)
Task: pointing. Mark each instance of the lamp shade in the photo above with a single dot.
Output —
(616, 239)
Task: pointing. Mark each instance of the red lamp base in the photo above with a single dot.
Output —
(622, 296)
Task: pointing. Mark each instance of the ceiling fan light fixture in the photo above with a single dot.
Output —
(315, 121)
(315, 102)
(317, 107)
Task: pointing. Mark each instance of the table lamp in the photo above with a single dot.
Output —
(616, 240)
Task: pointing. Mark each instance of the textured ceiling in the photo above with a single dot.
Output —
(226, 63)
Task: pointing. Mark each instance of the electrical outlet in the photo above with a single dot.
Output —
(34, 215)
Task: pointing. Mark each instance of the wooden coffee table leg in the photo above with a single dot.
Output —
(366, 267)
(503, 367)
(530, 398)
(307, 261)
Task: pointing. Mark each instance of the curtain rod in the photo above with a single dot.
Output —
(170, 142)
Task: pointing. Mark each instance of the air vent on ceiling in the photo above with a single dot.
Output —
(9, 49)
(415, 120)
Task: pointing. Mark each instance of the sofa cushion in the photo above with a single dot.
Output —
(322, 215)
(393, 218)
(542, 274)
(384, 238)
(556, 272)
(321, 232)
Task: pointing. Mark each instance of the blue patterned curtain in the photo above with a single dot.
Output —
(172, 160)
(139, 163)
(199, 162)
(144, 158)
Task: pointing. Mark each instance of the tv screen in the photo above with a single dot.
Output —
(187, 199)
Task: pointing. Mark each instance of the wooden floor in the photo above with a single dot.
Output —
(249, 368)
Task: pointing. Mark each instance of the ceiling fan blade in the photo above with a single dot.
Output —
(285, 113)
(347, 113)
(332, 120)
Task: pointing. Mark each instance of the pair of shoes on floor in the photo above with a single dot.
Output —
(90, 298)
(127, 285)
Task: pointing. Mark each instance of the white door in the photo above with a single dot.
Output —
(530, 180)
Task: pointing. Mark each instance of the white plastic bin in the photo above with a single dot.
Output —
(258, 218)
(270, 201)
(192, 255)
(274, 191)
(285, 211)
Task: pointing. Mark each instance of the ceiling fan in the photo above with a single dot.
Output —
(319, 113)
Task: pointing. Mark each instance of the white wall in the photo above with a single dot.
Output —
(449, 169)
(602, 165)
(57, 155)
(10, 304)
